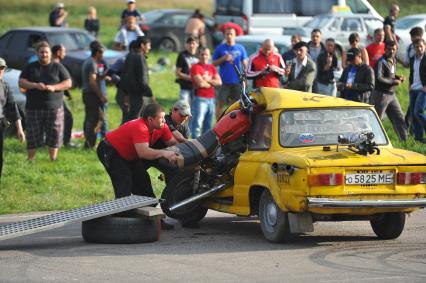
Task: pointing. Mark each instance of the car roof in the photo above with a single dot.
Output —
(278, 98)
(171, 11)
(49, 29)
(347, 15)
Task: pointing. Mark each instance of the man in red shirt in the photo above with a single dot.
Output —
(266, 67)
(377, 48)
(126, 152)
(205, 78)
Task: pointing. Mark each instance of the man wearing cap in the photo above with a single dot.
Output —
(302, 73)
(58, 17)
(131, 11)
(357, 80)
(177, 122)
(8, 111)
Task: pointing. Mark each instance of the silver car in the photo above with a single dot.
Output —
(339, 26)
(402, 30)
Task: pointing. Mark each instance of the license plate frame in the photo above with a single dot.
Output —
(370, 178)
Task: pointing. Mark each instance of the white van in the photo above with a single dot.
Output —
(270, 16)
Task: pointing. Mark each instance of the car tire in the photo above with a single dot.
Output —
(124, 228)
(273, 221)
(388, 225)
(178, 189)
(168, 45)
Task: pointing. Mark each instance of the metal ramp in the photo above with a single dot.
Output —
(60, 219)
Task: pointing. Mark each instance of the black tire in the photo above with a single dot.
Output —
(168, 45)
(388, 225)
(121, 229)
(178, 189)
(273, 221)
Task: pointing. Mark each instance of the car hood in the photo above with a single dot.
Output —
(316, 157)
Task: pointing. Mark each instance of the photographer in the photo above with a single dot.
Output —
(266, 67)
(384, 98)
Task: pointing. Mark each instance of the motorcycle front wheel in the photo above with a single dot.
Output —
(178, 189)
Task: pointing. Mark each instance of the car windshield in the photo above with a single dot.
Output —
(152, 16)
(312, 127)
(317, 22)
(406, 23)
(71, 41)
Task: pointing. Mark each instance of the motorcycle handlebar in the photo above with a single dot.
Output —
(245, 101)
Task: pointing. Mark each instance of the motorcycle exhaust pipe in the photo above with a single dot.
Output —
(199, 196)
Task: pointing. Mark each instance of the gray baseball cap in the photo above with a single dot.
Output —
(2, 62)
(183, 107)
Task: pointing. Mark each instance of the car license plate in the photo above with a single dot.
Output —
(376, 178)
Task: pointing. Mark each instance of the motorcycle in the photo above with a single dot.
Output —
(208, 162)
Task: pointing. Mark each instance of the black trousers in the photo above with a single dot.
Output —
(91, 119)
(1, 145)
(68, 122)
(130, 177)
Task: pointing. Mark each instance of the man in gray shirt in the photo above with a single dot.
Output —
(93, 96)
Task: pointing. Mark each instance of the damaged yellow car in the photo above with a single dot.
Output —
(304, 158)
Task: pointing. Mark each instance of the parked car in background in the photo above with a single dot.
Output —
(17, 46)
(166, 28)
(402, 30)
(270, 16)
(339, 26)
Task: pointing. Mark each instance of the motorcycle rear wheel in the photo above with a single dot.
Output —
(178, 189)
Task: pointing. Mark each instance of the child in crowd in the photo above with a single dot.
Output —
(91, 23)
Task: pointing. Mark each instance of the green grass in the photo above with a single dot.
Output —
(77, 178)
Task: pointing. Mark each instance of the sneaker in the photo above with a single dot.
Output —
(166, 226)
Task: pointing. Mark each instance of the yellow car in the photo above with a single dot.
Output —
(314, 158)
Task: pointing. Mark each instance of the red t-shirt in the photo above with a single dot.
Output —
(203, 70)
(124, 138)
(375, 51)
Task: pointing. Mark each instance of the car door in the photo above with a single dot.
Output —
(172, 26)
(4, 44)
(22, 47)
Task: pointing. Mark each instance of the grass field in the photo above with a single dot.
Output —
(77, 178)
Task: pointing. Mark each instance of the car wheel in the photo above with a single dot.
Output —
(123, 228)
(273, 221)
(167, 45)
(178, 189)
(388, 225)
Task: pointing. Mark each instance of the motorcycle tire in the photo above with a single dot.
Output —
(178, 189)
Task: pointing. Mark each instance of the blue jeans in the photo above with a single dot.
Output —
(186, 94)
(327, 89)
(417, 108)
(203, 111)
